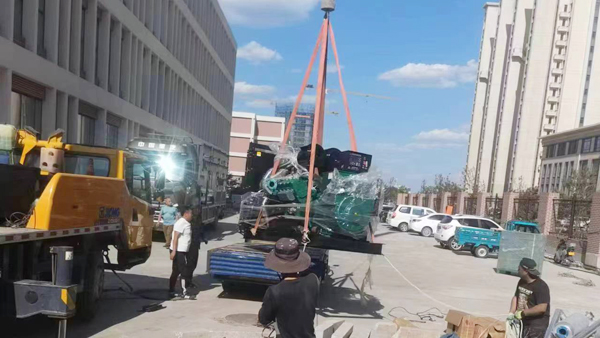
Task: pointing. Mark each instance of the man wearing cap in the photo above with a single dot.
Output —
(531, 302)
(291, 303)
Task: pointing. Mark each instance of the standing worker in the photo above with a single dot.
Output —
(182, 238)
(531, 302)
(291, 303)
(168, 216)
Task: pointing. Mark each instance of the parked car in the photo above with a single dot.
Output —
(385, 211)
(426, 225)
(401, 216)
(446, 229)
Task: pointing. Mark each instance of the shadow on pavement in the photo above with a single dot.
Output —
(386, 233)
(221, 231)
(337, 301)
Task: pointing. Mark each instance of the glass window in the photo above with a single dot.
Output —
(88, 130)
(87, 165)
(18, 24)
(550, 151)
(488, 225)
(597, 144)
(29, 110)
(41, 29)
(583, 164)
(137, 177)
(471, 222)
(436, 217)
(418, 212)
(595, 167)
(562, 149)
(404, 210)
(586, 146)
(112, 136)
(573, 145)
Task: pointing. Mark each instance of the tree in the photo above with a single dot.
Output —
(580, 185)
(441, 184)
(392, 190)
(471, 182)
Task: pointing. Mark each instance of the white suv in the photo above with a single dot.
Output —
(401, 216)
(447, 228)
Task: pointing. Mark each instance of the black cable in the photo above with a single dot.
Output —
(423, 315)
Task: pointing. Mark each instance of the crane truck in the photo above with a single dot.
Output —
(55, 196)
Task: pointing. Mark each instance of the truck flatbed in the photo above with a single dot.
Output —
(17, 235)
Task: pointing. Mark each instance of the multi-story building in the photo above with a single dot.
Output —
(535, 72)
(106, 71)
(246, 128)
(568, 151)
(302, 129)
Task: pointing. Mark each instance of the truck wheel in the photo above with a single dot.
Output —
(93, 285)
(426, 232)
(481, 251)
(453, 243)
(403, 227)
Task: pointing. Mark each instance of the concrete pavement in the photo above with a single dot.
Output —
(456, 279)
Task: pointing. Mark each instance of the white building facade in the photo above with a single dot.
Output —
(106, 71)
(535, 72)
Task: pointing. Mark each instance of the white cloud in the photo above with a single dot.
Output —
(267, 13)
(258, 103)
(442, 135)
(257, 53)
(244, 88)
(332, 68)
(431, 75)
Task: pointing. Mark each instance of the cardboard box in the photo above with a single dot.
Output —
(468, 326)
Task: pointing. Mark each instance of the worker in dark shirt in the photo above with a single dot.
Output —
(531, 302)
(291, 303)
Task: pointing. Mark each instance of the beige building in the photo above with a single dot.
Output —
(535, 72)
(566, 152)
(246, 128)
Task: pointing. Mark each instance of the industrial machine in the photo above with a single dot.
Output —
(57, 195)
(325, 198)
(188, 173)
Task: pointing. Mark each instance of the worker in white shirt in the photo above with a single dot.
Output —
(180, 245)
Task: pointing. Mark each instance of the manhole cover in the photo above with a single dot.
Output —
(243, 319)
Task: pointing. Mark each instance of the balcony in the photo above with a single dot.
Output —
(564, 15)
(553, 99)
(560, 57)
(548, 127)
(562, 29)
(555, 85)
(483, 76)
(561, 43)
(551, 113)
(557, 71)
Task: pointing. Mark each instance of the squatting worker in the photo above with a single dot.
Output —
(168, 216)
(291, 303)
(182, 237)
(531, 303)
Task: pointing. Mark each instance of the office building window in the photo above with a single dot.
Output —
(88, 130)
(583, 165)
(18, 23)
(586, 146)
(112, 136)
(550, 151)
(562, 149)
(41, 29)
(573, 145)
(28, 109)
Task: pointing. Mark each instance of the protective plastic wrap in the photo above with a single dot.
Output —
(348, 205)
(342, 204)
(515, 246)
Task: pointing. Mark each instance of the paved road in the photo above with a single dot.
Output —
(455, 279)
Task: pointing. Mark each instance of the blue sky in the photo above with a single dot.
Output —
(422, 53)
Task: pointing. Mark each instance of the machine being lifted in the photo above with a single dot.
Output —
(327, 199)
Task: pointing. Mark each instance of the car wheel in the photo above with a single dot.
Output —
(403, 227)
(482, 251)
(426, 232)
(454, 244)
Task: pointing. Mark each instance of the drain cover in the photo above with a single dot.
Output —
(243, 319)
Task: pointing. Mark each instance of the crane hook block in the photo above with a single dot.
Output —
(328, 5)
